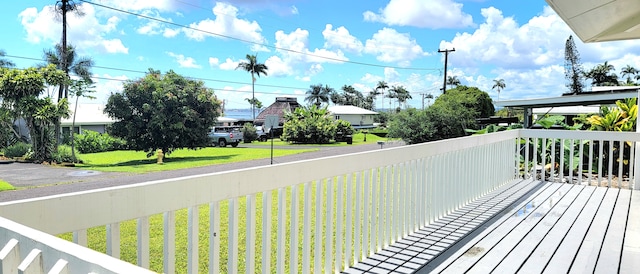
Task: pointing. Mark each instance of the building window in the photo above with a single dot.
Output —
(337, 117)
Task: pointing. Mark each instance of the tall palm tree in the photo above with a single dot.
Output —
(453, 81)
(4, 63)
(68, 61)
(381, 87)
(499, 85)
(317, 95)
(629, 72)
(402, 95)
(252, 66)
(62, 7)
(602, 75)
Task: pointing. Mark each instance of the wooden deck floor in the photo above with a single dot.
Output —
(525, 227)
(559, 228)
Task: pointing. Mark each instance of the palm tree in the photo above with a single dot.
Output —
(80, 66)
(629, 72)
(328, 91)
(80, 88)
(381, 87)
(602, 76)
(4, 63)
(252, 66)
(317, 95)
(402, 95)
(499, 85)
(63, 7)
(453, 81)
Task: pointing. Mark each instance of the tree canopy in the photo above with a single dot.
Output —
(163, 112)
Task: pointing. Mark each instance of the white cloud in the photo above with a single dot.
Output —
(213, 61)
(391, 46)
(420, 13)
(294, 10)
(227, 24)
(138, 5)
(229, 64)
(370, 78)
(155, 27)
(340, 38)
(391, 74)
(185, 62)
(501, 41)
(85, 32)
(278, 67)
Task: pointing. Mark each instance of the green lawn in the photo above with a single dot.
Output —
(136, 161)
(5, 186)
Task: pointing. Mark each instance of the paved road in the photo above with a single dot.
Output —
(40, 180)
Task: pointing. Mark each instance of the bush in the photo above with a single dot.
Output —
(249, 133)
(343, 130)
(92, 142)
(19, 149)
(380, 132)
(309, 126)
(64, 155)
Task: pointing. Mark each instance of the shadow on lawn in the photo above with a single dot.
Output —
(153, 161)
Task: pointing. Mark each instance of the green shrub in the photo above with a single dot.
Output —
(249, 133)
(64, 155)
(19, 149)
(92, 142)
(380, 132)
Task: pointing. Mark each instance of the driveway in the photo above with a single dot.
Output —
(33, 180)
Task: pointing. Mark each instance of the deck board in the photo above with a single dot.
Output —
(548, 246)
(589, 248)
(611, 251)
(630, 261)
(570, 204)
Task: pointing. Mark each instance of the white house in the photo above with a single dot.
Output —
(88, 117)
(358, 117)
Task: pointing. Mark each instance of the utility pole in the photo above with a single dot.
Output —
(446, 59)
(423, 95)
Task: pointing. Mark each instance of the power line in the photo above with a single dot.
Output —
(256, 43)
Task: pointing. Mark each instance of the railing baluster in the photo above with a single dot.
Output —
(10, 256)
(366, 224)
(610, 167)
(632, 167)
(32, 263)
(328, 258)
(214, 238)
(381, 211)
(317, 265)
(192, 239)
(169, 242)
(143, 242)
(349, 256)
(293, 247)
(562, 159)
(232, 259)
(250, 248)
(339, 228)
(526, 170)
(266, 232)
(113, 240)
(590, 165)
(580, 159)
(375, 220)
(571, 163)
(281, 233)
(306, 228)
(600, 156)
(61, 267)
(357, 236)
(80, 237)
(620, 163)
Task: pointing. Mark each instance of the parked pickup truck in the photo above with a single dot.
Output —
(223, 136)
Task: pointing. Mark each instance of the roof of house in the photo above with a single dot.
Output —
(599, 96)
(87, 114)
(345, 110)
(279, 107)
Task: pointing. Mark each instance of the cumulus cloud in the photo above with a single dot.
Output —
(501, 41)
(138, 5)
(183, 61)
(340, 38)
(154, 27)
(226, 23)
(94, 34)
(433, 14)
(391, 46)
(229, 64)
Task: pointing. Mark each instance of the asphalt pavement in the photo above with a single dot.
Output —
(35, 180)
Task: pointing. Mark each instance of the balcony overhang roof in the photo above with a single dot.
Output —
(584, 99)
(600, 20)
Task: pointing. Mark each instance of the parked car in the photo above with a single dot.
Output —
(262, 136)
(225, 135)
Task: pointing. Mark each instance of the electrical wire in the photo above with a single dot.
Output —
(257, 43)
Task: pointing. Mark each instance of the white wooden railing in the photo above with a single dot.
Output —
(320, 215)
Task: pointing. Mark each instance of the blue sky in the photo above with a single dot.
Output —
(305, 42)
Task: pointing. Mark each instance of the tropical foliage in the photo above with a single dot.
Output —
(622, 117)
(317, 95)
(603, 75)
(92, 141)
(499, 85)
(312, 125)
(20, 92)
(163, 112)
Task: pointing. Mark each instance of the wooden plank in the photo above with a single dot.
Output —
(32, 263)
(169, 242)
(471, 252)
(193, 239)
(563, 257)
(546, 210)
(293, 246)
(611, 251)
(214, 238)
(143, 242)
(250, 227)
(630, 261)
(113, 240)
(587, 255)
(561, 215)
(10, 256)
(266, 232)
(551, 242)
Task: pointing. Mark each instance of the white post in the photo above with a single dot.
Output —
(636, 163)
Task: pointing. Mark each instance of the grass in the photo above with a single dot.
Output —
(128, 230)
(137, 162)
(5, 186)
